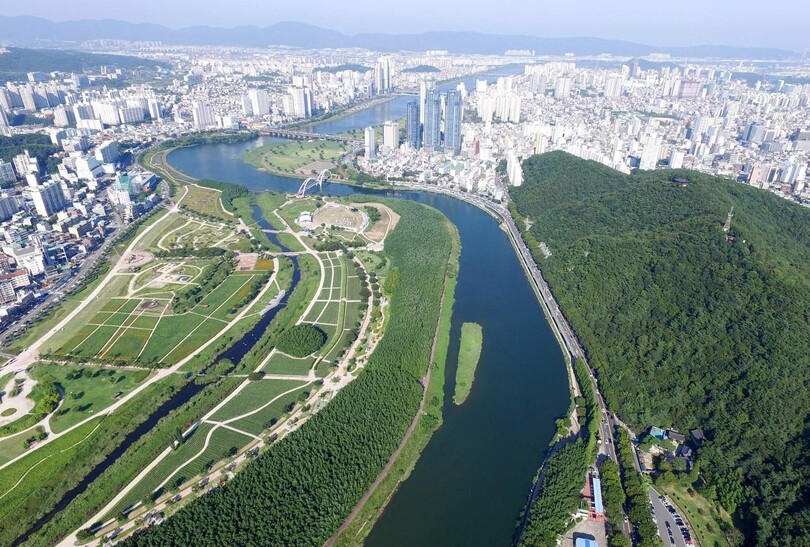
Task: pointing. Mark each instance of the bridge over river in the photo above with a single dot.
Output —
(305, 136)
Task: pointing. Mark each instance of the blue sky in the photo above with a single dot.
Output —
(778, 23)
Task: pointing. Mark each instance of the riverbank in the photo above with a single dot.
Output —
(360, 522)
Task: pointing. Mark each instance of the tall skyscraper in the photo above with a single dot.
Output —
(424, 87)
(391, 135)
(413, 126)
(371, 143)
(431, 132)
(452, 123)
(382, 75)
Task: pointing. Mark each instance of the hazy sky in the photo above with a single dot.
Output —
(779, 23)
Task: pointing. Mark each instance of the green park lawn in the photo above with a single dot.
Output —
(289, 156)
(88, 390)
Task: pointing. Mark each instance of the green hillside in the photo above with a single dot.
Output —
(16, 62)
(688, 328)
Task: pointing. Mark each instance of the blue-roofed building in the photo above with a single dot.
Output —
(658, 433)
(597, 496)
(585, 542)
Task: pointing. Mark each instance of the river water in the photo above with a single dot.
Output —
(472, 479)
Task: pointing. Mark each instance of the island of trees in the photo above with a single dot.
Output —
(472, 337)
(689, 322)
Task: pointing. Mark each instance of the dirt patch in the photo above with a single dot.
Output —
(380, 229)
(149, 304)
(334, 214)
(247, 261)
(135, 259)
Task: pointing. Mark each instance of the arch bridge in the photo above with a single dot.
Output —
(312, 182)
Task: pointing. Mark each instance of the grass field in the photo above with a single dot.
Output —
(166, 468)
(205, 201)
(280, 363)
(253, 396)
(259, 421)
(128, 329)
(295, 157)
(11, 447)
(88, 390)
(472, 337)
(49, 460)
(223, 442)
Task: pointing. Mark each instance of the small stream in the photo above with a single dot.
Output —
(234, 353)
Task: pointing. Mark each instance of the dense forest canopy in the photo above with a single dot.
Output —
(300, 491)
(689, 326)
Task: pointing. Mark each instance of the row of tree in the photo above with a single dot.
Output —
(299, 492)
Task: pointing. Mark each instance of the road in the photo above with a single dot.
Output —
(663, 518)
(558, 323)
(64, 285)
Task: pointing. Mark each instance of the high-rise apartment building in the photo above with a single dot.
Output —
(413, 126)
(259, 102)
(452, 123)
(202, 114)
(391, 135)
(382, 75)
(48, 198)
(371, 143)
(432, 131)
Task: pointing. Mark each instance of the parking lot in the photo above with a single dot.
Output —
(671, 527)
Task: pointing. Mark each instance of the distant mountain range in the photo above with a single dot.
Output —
(38, 32)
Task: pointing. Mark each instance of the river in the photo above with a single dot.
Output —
(472, 479)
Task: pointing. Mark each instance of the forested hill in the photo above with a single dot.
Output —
(688, 328)
(16, 62)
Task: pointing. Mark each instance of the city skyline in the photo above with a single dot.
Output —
(741, 24)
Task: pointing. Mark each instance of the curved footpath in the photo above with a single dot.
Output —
(32, 354)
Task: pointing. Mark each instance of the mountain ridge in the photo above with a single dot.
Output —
(36, 31)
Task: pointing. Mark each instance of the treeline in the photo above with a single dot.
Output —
(211, 278)
(614, 498)
(564, 474)
(47, 483)
(210, 138)
(229, 191)
(563, 479)
(143, 451)
(690, 327)
(19, 61)
(299, 492)
(637, 497)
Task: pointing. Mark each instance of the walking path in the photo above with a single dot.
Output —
(162, 373)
